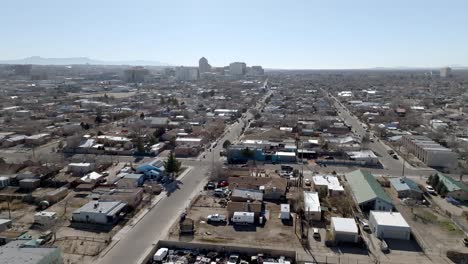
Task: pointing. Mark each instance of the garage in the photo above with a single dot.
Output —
(344, 229)
(389, 225)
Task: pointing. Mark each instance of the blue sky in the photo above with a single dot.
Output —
(276, 34)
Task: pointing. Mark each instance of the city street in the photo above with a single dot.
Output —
(155, 224)
(392, 166)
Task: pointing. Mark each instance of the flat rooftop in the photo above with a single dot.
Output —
(347, 225)
(389, 218)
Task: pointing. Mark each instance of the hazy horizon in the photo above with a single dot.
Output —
(274, 34)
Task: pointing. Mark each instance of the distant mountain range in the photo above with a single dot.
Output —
(79, 60)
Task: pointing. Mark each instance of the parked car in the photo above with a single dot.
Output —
(160, 254)
(233, 259)
(465, 241)
(307, 182)
(384, 246)
(391, 152)
(222, 184)
(395, 156)
(210, 186)
(430, 190)
(216, 218)
(221, 192)
(365, 225)
(126, 170)
(316, 234)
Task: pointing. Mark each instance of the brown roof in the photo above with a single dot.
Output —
(247, 182)
(254, 206)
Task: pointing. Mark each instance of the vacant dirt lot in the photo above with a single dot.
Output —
(273, 234)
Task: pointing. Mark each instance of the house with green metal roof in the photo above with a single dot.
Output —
(455, 189)
(367, 192)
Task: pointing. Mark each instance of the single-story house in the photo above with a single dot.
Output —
(131, 180)
(406, 188)
(329, 183)
(244, 195)
(99, 212)
(312, 206)
(156, 164)
(455, 189)
(273, 189)
(255, 207)
(131, 196)
(367, 192)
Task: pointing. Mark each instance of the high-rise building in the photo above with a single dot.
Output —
(186, 73)
(256, 71)
(445, 72)
(135, 74)
(203, 65)
(237, 68)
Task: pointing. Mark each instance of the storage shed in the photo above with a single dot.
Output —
(389, 225)
(29, 184)
(285, 212)
(344, 229)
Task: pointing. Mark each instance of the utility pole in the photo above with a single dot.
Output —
(9, 210)
(403, 170)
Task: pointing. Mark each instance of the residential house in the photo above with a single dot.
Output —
(406, 188)
(255, 207)
(367, 192)
(328, 183)
(312, 206)
(156, 165)
(99, 212)
(273, 189)
(455, 189)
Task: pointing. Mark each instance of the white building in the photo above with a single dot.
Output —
(344, 229)
(445, 72)
(45, 218)
(312, 206)
(330, 183)
(99, 212)
(203, 65)
(389, 225)
(367, 156)
(237, 68)
(186, 73)
(79, 168)
(429, 152)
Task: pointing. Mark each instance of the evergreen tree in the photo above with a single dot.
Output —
(226, 144)
(140, 146)
(172, 165)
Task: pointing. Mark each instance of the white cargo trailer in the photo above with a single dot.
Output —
(243, 218)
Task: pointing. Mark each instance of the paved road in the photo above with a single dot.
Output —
(156, 223)
(392, 166)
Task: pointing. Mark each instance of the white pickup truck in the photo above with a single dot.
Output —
(218, 218)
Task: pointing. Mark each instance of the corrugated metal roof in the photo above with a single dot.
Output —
(365, 187)
(452, 184)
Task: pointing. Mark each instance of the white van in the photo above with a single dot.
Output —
(160, 254)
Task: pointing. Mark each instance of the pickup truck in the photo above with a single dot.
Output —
(216, 218)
